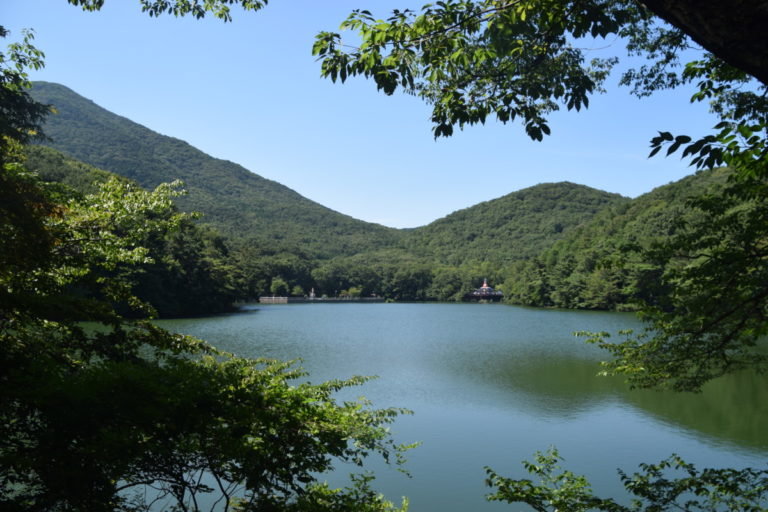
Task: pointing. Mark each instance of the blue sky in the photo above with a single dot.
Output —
(251, 92)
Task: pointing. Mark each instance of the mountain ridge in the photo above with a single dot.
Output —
(243, 205)
(529, 219)
(93, 135)
(552, 244)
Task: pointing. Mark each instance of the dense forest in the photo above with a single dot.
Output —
(514, 227)
(188, 271)
(554, 244)
(606, 263)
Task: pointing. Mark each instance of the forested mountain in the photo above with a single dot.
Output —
(553, 244)
(236, 201)
(604, 264)
(514, 227)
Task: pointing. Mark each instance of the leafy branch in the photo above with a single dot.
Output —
(670, 484)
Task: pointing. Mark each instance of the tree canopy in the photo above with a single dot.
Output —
(522, 59)
(198, 8)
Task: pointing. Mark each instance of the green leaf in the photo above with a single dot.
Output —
(654, 151)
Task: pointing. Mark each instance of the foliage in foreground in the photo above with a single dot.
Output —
(713, 314)
(672, 484)
(189, 271)
(122, 414)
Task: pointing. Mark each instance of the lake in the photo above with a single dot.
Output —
(490, 385)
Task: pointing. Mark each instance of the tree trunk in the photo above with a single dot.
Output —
(735, 30)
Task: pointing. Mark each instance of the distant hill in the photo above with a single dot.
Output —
(237, 202)
(598, 265)
(517, 226)
(647, 217)
(449, 257)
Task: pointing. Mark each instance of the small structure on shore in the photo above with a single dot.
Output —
(317, 300)
(274, 300)
(484, 293)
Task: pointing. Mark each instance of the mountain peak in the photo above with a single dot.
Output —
(236, 201)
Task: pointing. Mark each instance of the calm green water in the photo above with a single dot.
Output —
(492, 384)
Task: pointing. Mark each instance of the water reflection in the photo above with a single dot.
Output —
(731, 410)
(551, 385)
(514, 366)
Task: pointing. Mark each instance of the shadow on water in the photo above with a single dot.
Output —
(730, 411)
(551, 385)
